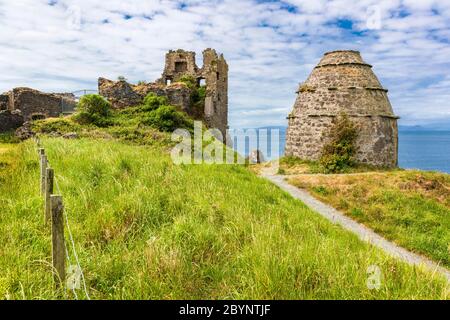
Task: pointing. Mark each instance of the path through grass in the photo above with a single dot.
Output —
(411, 208)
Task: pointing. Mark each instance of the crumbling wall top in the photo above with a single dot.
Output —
(339, 57)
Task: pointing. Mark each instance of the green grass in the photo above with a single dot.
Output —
(411, 208)
(294, 165)
(145, 228)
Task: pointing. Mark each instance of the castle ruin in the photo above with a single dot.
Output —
(22, 104)
(343, 83)
(178, 63)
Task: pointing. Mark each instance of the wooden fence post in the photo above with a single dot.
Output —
(58, 253)
(49, 181)
(43, 172)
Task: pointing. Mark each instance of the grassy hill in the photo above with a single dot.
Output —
(409, 207)
(145, 228)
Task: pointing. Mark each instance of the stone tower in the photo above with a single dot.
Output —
(179, 63)
(343, 82)
(214, 72)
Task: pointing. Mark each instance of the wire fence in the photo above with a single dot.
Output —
(73, 279)
(69, 101)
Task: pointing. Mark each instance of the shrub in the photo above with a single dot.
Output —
(85, 118)
(337, 154)
(198, 93)
(153, 102)
(58, 125)
(94, 104)
(93, 109)
(167, 118)
(8, 137)
(189, 81)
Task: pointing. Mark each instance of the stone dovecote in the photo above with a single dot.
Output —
(343, 83)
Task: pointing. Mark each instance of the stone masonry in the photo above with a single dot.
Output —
(178, 63)
(30, 101)
(10, 120)
(343, 83)
(122, 94)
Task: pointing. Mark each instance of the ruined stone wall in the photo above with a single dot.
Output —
(343, 83)
(177, 64)
(122, 94)
(10, 120)
(215, 73)
(30, 101)
(4, 101)
(119, 93)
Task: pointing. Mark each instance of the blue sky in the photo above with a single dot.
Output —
(270, 46)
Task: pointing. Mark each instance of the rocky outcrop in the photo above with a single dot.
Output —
(343, 83)
(10, 120)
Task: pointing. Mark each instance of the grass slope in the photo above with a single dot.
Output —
(411, 208)
(145, 228)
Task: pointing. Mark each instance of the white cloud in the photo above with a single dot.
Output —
(269, 47)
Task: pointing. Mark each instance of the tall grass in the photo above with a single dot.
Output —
(148, 229)
(409, 207)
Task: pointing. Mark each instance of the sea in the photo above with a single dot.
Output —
(418, 149)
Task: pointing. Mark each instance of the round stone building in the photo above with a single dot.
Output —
(343, 83)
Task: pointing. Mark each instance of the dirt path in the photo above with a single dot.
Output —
(360, 230)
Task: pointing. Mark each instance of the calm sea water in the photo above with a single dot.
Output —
(425, 150)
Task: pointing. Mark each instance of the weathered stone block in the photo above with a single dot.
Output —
(4, 101)
(31, 101)
(10, 120)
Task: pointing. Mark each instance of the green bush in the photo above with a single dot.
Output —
(58, 125)
(153, 102)
(189, 81)
(198, 93)
(93, 109)
(85, 118)
(8, 137)
(337, 154)
(167, 118)
(94, 104)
